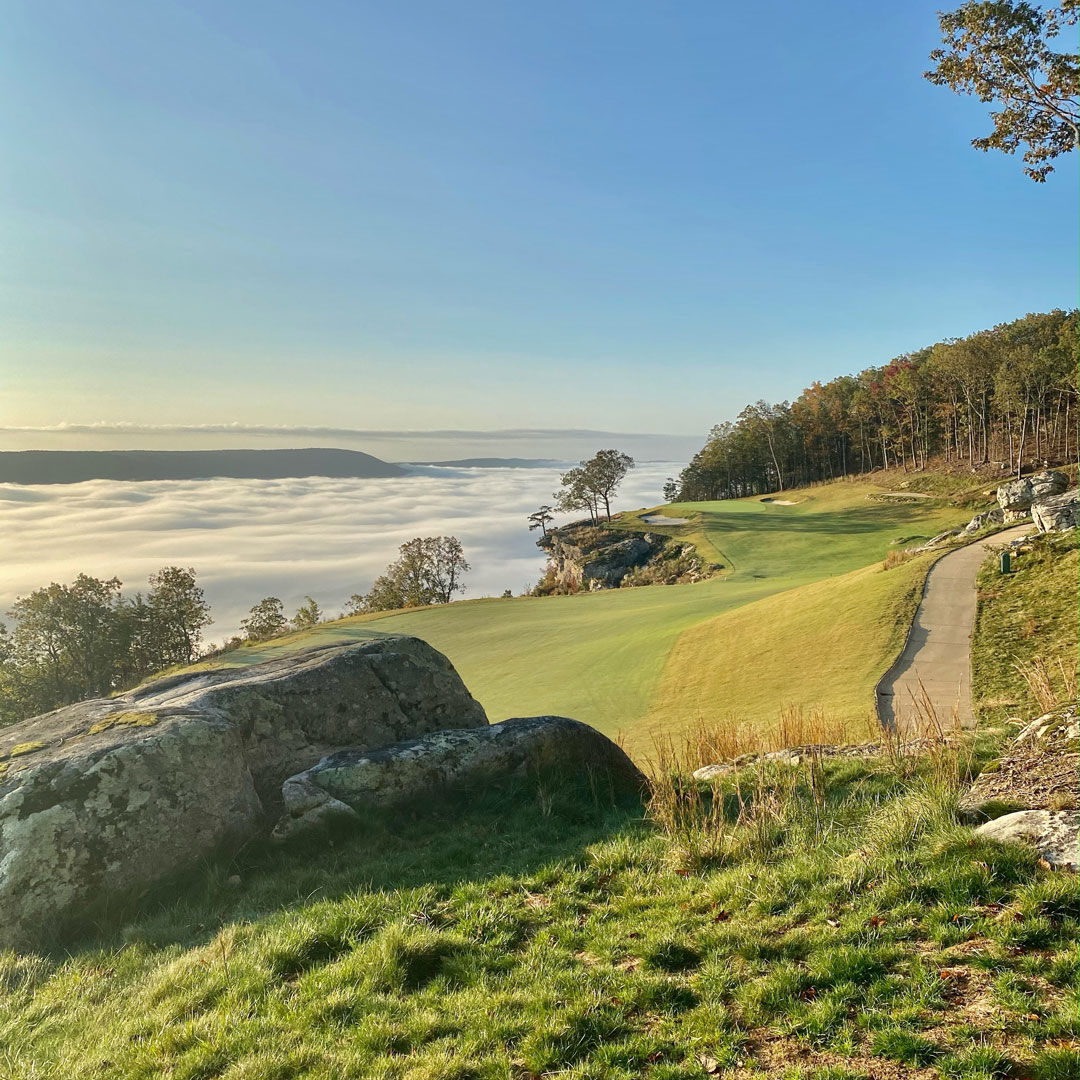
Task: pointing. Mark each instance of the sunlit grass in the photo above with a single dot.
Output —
(607, 657)
(848, 924)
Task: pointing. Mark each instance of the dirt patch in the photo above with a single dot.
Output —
(1040, 771)
(777, 1053)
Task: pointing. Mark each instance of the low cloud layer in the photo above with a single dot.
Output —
(252, 538)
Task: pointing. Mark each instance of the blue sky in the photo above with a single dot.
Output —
(630, 216)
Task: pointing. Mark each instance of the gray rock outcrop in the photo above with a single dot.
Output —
(1017, 496)
(1032, 793)
(1053, 834)
(345, 784)
(714, 772)
(608, 566)
(1057, 512)
(989, 517)
(583, 555)
(102, 799)
(937, 541)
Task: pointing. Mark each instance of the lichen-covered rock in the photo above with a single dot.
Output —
(713, 772)
(103, 822)
(417, 769)
(1053, 834)
(1057, 512)
(107, 797)
(1018, 495)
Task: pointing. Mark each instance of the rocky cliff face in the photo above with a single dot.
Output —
(1017, 497)
(587, 556)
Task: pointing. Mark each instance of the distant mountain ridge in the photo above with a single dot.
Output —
(76, 466)
(491, 463)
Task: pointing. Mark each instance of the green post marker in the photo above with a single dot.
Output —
(1005, 562)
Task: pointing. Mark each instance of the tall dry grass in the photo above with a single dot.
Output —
(1038, 673)
(759, 803)
(712, 741)
(897, 557)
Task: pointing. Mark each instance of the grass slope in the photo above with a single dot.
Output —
(853, 931)
(1028, 615)
(823, 646)
(601, 657)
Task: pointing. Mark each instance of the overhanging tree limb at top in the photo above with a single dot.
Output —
(1001, 51)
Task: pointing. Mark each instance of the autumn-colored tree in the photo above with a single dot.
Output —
(1002, 51)
(1007, 394)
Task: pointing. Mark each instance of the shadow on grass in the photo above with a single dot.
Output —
(514, 828)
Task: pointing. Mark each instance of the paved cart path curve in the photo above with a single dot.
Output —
(938, 649)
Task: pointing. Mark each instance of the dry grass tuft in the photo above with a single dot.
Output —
(1038, 674)
(897, 557)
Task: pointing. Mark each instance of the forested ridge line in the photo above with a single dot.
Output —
(1006, 395)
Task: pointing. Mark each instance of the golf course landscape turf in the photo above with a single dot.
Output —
(802, 593)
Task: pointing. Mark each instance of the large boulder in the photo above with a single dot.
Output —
(346, 784)
(102, 799)
(1057, 512)
(1017, 496)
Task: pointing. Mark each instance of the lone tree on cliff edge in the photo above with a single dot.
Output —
(594, 482)
(1000, 51)
(541, 519)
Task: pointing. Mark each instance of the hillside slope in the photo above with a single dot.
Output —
(822, 646)
(601, 657)
(1027, 620)
(850, 932)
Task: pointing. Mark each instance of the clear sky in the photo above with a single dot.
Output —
(622, 214)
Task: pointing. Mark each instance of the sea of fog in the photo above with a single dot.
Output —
(327, 538)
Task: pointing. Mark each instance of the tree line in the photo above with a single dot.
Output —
(88, 639)
(1006, 396)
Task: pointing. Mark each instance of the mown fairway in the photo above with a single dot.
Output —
(631, 660)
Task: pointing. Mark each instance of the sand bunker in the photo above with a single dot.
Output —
(783, 502)
(661, 519)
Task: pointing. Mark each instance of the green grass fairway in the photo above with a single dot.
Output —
(823, 645)
(602, 657)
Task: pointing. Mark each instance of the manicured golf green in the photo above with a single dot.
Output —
(616, 659)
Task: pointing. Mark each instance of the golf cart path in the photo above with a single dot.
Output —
(938, 650)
